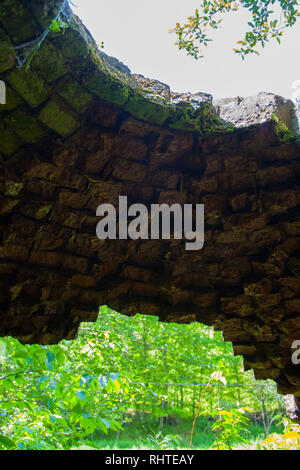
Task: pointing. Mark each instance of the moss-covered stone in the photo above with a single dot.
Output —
(283, 132)
(13, 189)
(12, 100)
(106, 87)
(25, 126)
(59, 118)
(45, 12)
(29, 85)
(74, 94)
(9, 141)
(73, 47)
(81, 52)
(142, 108)
(48, 63)
(18, 20)
(202, 119)
(7, 53)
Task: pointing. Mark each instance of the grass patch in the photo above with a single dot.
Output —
(135, 435)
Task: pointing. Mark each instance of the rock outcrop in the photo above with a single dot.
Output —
(76, 133)
(257, 109)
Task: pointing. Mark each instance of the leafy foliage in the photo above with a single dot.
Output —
(53, 396)
(228, 428)
(160, 442)
(57, 25)
(118, 370)
(288, 440)
(265, 24)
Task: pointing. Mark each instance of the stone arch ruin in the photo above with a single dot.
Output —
(78, 129)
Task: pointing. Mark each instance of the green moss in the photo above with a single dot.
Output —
(107, 88)
(48, 63)
(12, 100)
(80, 50)
(185, 117)
(74, 94)
(18, 21)
(43, 212)
(7, 53)
(142, 108)
(9, 141)
(13, 189)
(283, 132)
(25, 126)
(29, 85)
(45, 13)
(73, 48)
(82, 54)
(76, 51)
(203, 119)
(59, 119)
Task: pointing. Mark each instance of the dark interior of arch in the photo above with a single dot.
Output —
(78, 129)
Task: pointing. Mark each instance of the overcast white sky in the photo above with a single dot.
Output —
(136, 32)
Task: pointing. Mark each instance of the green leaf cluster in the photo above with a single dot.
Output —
(268, 21)
(119, 369)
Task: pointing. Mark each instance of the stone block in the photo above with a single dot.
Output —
(18, 21)
(58, 118)
(7, 53)
(25, 126)
(29, 86)
(75, 95)
(48, 63)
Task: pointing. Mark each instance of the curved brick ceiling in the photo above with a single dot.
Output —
(76, 133)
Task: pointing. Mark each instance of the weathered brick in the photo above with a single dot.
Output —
(75, 263)
(81, 280)
(46, 258)
(14, 252)
(131, 171)
(127, 147)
